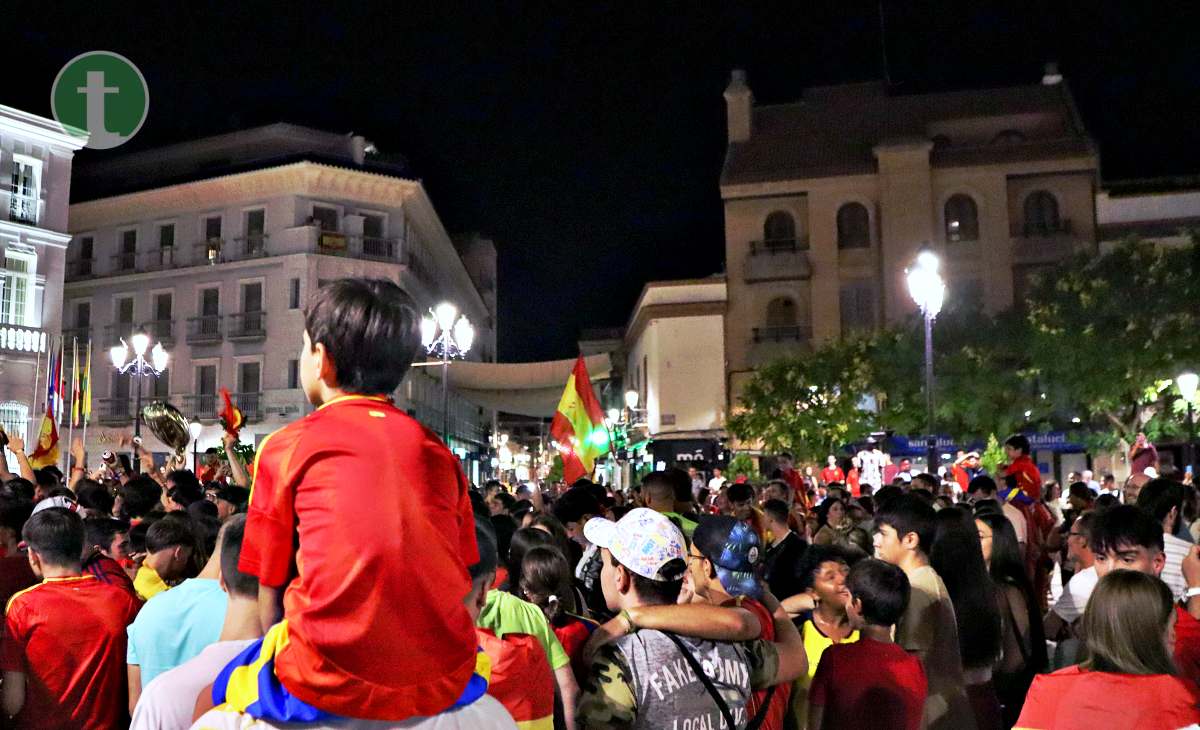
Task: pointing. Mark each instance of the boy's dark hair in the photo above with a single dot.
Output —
(1080, 490)
(203, 509)
(485, 540)
(48, 478)
(56, 534)
(575, 503)
(778, 510)
(243, 585)
(506, 499)
(982, 483)
(1104, 501)
(207, 528)
(1159, 496)
(95, 496)
(503, 527)
(20, 488)
(370, 330)
(172, 530)
(61, 491)
(886, 495)
(656, 592)
(137, 537)
(926, 479)
(811, 560)
(1122, 527)
(99, 531)
(675, 482)
(910, 514)
(140, 495)
(14, 513)
(1018, 442)
(883, 589)
(740, 492)
(187, 487)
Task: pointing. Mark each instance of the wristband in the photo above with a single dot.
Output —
(631, 627)
(1191, 592)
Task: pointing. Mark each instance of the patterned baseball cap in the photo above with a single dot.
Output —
(734, 549)
(60, 502)
(644, 541)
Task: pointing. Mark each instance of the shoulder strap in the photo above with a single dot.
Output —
(761, 715)
(708, 685)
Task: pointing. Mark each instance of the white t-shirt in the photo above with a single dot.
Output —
(486, 713)
(1175, 551)
(1017, 518)
(1076, 594)
(716, 483)
(167, 702)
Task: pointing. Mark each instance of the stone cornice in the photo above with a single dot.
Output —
(41, 129)
(309, 179)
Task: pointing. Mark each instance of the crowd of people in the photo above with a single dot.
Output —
(353, 578)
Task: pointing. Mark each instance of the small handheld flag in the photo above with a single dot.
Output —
(231, 416)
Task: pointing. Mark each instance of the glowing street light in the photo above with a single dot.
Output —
(447, 334)
(928, 290)
(1187, 383)
(130, 358)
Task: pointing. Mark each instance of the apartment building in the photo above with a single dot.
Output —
(827, 201)
(212, 248)
(35, 185)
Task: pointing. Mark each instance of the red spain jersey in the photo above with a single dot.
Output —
(363, 514)
(1029, 478)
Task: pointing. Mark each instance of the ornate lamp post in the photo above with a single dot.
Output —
(1187, 383)
(131, 359)
(448, 335)
(194, 428)
(928, 290)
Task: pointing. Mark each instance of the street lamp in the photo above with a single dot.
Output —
(1187, 383)
(131, 358)
(928, 290)
(194, 428)
(445, 333)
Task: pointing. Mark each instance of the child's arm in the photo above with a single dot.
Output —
(793, 659)
(13, 697)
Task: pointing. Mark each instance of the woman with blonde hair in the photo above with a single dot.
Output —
(1129, 680)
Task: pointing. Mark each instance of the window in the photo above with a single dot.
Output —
(83, 315)
(127, 255)
(120, 391)
(373, 226)
(14, 417)
(325, 217)
(252, 299)
(15, 299)
(206, 379)
(853, 226)
(212, 228)
(857, 307)
(294, 294)
(124, 310)
(161, 388)
(781, 312)
(164, 313)
(166, 235)
(256, 231)
(210, 302)
(87, 248)
(23, 199)
(293, 374)
(1041, 213)
(962, 218)
(249, 377)
(779, 226)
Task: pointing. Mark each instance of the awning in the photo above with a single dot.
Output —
(524, 389)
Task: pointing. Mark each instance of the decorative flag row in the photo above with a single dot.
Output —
(57, 392)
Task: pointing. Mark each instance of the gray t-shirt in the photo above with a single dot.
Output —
(644, 681)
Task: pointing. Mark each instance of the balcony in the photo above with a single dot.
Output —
(204, 330)
(1044, 245)
(124, 263)
(23, 209)
(162, 330)
(223, 250)
(208, 406)
(789, 333)
(80, 268)
(778, 259)
(114, 332)
(17, 338)
(115, 410)
(160, 259)
(247, 326)
(79, 334)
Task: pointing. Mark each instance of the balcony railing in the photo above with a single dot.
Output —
(251, 405)
(162, 330)
(124, 263)
(208, 252)
(17, 338)
(23, 209)
(160, 259)
(248, 326)
(789, 333)
(772, 246)
(114, 332)
(778, 260)
(221, 250)
(1054, 228)
(115, 410)
(79, 334)
(80, 268)
(204, 329)
(203, 407)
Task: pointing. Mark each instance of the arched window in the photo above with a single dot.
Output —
(781, 312)
(1041, 213)
(853, 226)
(779, 226)
(962, 218)
(1009, 136)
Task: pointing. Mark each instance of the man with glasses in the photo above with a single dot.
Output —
(1069, 607)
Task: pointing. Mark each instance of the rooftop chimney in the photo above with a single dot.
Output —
(739, 106)
(1051, 76)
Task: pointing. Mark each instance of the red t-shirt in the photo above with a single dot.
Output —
(1029, 478)
(573, 634)
(1074, 699)
(15, 575)
(67, 635)
(109, 571)
(783, 692)
(831, 474)
(1187, 644)
(363, 514)
(796, 481)
(868, 683)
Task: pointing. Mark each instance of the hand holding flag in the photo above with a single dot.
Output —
(231, 416)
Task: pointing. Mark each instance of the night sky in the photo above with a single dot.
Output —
(588, 142)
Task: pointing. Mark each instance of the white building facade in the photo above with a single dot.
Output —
(675, 361)
(35, 184)
(218, 268)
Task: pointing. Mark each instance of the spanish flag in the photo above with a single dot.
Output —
(46, 453)
(578, 426)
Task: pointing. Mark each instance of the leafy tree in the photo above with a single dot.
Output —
(743, 464)
(1108, 334)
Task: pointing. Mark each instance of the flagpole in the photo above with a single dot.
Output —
(74, 397)
(86, 411)
(37, 371)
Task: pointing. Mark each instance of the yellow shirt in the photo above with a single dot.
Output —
(815, 644)
(147, 583)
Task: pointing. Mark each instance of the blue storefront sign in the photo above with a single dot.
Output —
(915, 446)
